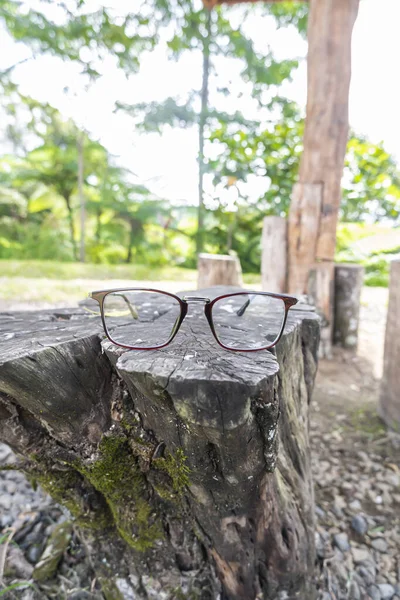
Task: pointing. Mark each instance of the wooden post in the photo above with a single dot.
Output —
(218, 269)
(274, 254)
(320, 292)
(390, 388)
(348, 285)
(316, 198)
(170, 458)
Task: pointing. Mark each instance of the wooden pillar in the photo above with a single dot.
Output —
(390, 387)
(170, 458)
(274, 254)
(320, 293)
(316, 198)
(218, 269)
(348, 286)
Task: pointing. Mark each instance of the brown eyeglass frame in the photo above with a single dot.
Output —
(288, 301)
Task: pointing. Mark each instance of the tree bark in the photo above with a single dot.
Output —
(389, 407)
(348, 286)
(274, 254)
(170, 458)
(71, 226)
(202, 124)
(325, 138)
(218, 269)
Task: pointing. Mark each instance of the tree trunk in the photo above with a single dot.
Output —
(348, 286)
(79, 144)
(133, 229)
(202, 124)
(274, 254)
(99, 213)
(390, 399)
(71, 226)
(170, 458)
(218, 269)
(316, 199)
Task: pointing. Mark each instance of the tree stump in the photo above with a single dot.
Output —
(389, 407)
(274, 254)
(320, 292)
(348, 286)
(218, 269)
(188, 467)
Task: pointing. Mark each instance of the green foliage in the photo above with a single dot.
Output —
(75, 27)
(371, 180)
(125, 222)
(290, 13)
(375, 255)
(15, 586)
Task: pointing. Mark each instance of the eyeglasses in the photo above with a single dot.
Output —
(147, 319)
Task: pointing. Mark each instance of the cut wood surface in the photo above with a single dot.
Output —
(274, 254)
(348, 286)
(218, 269)
(390, 390)
(170, 456)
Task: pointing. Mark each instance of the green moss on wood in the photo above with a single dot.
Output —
(176, 468)
(116, 474)
(110, 589)
(55, 548)
(65, 487)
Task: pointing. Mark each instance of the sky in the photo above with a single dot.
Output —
(167, 162)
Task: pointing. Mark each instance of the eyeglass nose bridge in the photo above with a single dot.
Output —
(189, 299)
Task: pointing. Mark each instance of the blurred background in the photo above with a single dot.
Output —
(124, 130)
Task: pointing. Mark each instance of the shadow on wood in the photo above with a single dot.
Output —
(188, 466)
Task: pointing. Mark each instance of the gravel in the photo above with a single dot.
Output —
(358, 523)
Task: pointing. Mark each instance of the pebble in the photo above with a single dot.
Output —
(341, 541)
(5, 501)
(366, 574)
(359, 524)
(379, 544)
(34, 553)
(355, 505)
(374, 592)
(387, 591)
(354, 591)
(361, 555)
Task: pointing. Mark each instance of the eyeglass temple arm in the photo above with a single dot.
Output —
(243, 308)
(132, 308)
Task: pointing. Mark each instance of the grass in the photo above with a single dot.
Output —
(34, 269)
(367, 422)
(24, 281)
